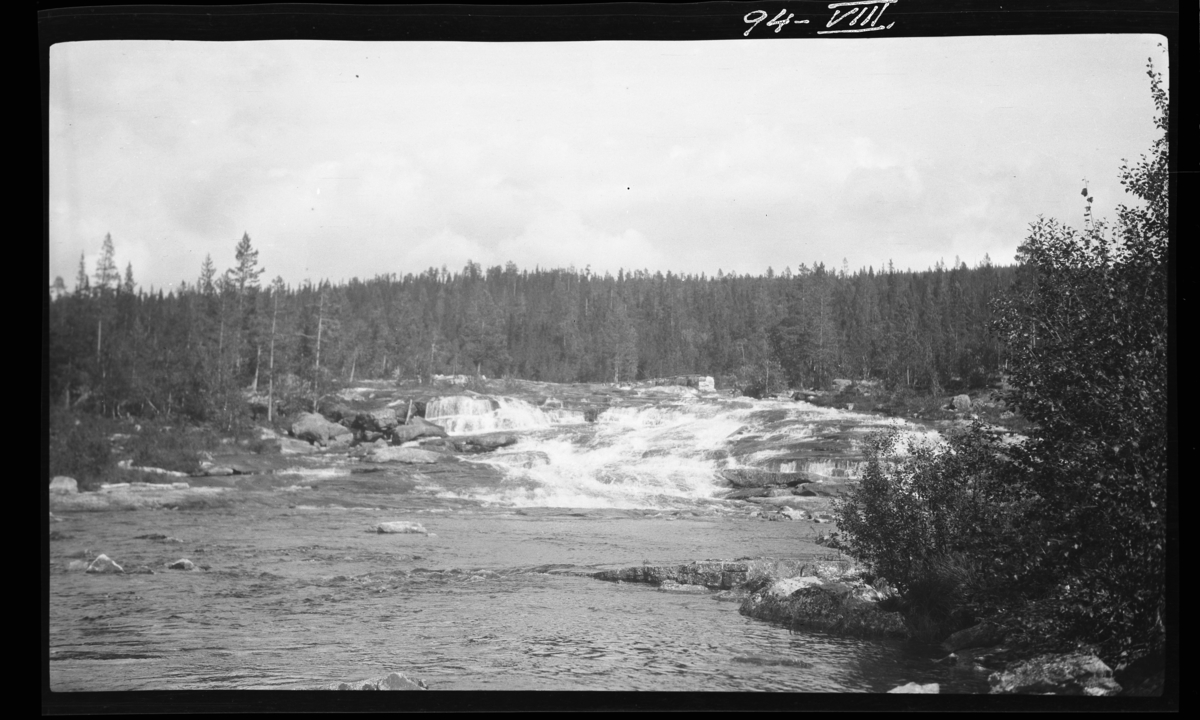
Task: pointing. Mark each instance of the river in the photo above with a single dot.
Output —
(297, 591)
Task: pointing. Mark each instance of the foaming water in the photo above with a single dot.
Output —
(660, 456)
(474, 414)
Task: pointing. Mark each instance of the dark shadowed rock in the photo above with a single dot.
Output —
(376, 421)
(832, 607)
(1069, 674)
(980, 635)
(182, 564)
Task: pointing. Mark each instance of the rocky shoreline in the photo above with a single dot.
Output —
(834, 597)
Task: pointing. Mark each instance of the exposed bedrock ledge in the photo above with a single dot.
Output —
(715, 575)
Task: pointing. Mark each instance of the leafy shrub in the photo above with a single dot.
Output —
(1060, 538)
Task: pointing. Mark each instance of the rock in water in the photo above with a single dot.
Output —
(403, 455)
(64, 485)
(401, 526)
(316, 429)
(431, 430)
(961, 403)
(1072, 674)
(182, 564)
(394, 681)
(77, 565)
(417, 427)
(786, 587)
(485, 443)
(104, 564)
(912, 687)
(794, 513)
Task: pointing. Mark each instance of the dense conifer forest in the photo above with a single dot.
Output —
(193, 350)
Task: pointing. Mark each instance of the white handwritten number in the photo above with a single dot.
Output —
(777, 22)
(762, 15)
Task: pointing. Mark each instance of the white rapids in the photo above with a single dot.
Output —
(659, 455)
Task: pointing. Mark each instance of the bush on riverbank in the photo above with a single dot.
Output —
(1061, 538)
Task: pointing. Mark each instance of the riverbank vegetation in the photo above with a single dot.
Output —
(1059, 539)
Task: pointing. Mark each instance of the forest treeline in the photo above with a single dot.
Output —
(193, 350)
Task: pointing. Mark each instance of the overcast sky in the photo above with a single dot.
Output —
(353, 159)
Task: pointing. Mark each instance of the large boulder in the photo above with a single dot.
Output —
(961, 403)
(182, 564)
(403, 455)
(1071, 674)
(64, 485)
(431, 429)
(417, 427)
(317, 430)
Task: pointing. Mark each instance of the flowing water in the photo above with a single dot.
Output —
(297, 591)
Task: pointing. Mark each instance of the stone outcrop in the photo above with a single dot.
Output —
(401, 527)
(960, 403)
(713, 575)
(182, 564)
(1069, 674)
(411, 456)
(317, 430)
(64, 485)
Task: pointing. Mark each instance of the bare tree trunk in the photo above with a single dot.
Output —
(257, 358)
(271, 369)
(317, 359)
